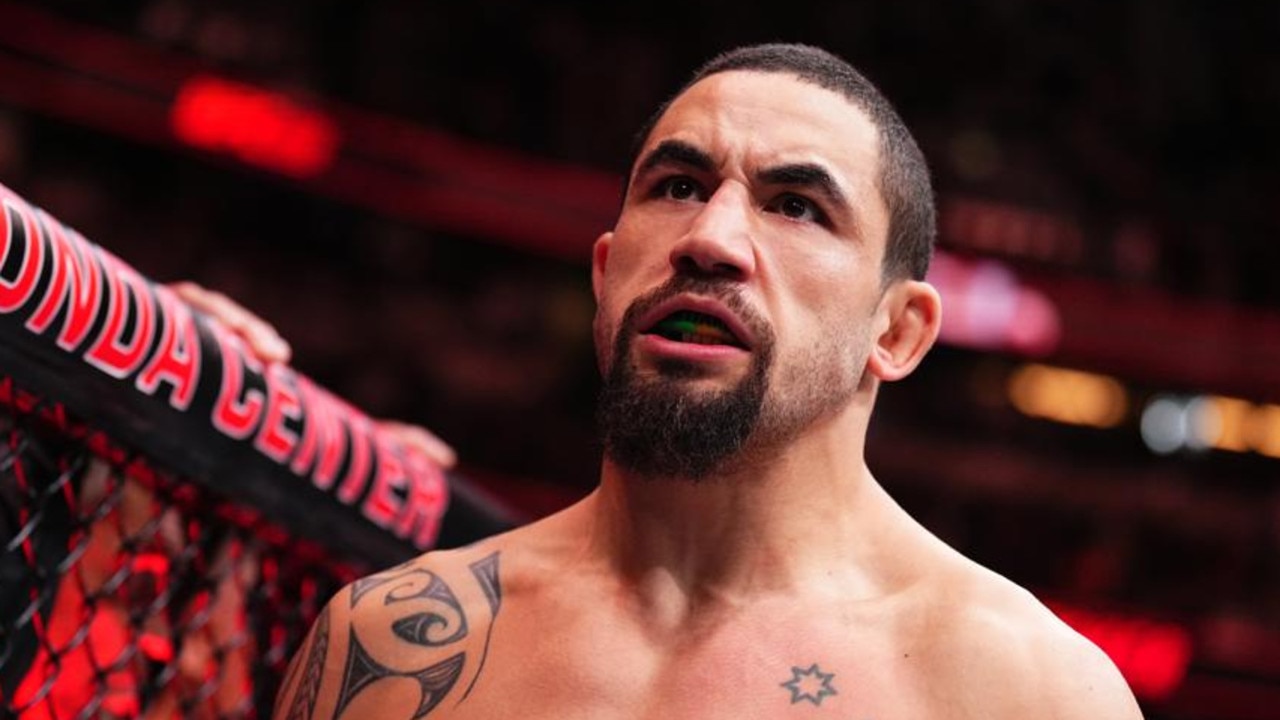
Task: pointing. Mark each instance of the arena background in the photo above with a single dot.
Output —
(408, 190)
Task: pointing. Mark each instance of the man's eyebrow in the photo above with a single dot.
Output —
(676, 152)
(809, 175)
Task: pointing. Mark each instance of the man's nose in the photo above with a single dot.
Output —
(719, 240)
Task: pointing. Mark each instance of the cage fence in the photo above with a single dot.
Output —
(127, 592)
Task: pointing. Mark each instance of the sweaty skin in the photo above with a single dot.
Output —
(786, 585)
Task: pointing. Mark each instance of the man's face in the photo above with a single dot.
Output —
(737, 291)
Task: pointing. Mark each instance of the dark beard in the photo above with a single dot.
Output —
(658, 427)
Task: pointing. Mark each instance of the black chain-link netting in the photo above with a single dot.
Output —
(129, 593)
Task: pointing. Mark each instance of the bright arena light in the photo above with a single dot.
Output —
(1265, 430)
(1164, 424)
(1073, 397)
(1173, 423)
(1168, 423)
(1203, 423)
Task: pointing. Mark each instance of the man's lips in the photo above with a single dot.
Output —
(716, 324)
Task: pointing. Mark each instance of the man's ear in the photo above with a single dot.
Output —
(599, 258)
(914, 312)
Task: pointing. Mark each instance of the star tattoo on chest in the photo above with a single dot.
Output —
(809, 684)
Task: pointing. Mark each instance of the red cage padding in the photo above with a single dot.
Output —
(82, 327)
(173, 512)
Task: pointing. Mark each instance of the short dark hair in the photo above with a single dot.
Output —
(904, 175)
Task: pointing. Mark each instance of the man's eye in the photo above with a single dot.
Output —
(678, 188)
(797, 208)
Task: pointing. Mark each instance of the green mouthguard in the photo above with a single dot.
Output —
(683, 325)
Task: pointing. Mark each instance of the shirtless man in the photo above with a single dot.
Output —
(738, 559)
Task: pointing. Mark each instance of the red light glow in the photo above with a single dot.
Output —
(988, 308)
(259, 127)
(1152, 656)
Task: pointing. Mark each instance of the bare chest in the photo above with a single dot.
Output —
(753, 668)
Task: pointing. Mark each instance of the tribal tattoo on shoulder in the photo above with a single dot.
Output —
(304, 696)
(486, 573)
(435, 681)
(441, 625)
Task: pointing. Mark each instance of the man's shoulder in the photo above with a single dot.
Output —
(427, 620)
(466, 582)
(993, 636)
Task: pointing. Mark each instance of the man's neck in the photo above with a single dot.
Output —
(809, 519)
